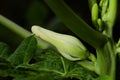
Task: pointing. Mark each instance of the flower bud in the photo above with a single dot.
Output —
(69, 46)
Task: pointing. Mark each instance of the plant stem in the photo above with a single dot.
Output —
(64, 66)
(76, 24)
(14, 27)
(111, 47)
(107, 60)
(21, 31)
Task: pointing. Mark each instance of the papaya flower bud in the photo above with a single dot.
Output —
(69, 46)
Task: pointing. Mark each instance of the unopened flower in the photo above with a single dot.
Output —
(69, 46)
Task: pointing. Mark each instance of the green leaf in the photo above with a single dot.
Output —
(4, 50)
(5, 67)
(24, 52)
(48, 65)
(59, 68)
(49, 62)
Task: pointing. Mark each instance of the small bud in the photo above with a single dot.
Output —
(100, 25)
(69, 46)
(94, 14)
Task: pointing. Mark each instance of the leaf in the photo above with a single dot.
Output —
(47, 64)
(6, 72)
(4, 50)
(59, 68)
(4, 63)
(5, 67)
(24, 52)
(81, 73)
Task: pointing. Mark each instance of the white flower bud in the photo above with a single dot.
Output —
(69, 46)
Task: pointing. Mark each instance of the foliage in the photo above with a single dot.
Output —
(26, 63)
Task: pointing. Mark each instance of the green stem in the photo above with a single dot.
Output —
(20, 31)
(14, 27)
(76, 24)
(64, 66)
(111, 48)
(101, 66)
(106, 60)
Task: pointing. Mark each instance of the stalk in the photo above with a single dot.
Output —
(106, 60)
(14, 27)
(109, 19)
(20, 31)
